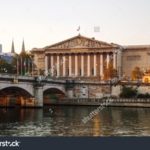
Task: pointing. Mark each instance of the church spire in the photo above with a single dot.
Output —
(23, 47)
(12, 47)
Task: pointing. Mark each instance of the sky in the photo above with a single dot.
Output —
(43, 22)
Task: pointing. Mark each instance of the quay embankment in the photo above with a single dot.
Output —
(119, 102)
(110, 102)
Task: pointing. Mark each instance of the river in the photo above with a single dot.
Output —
(67, 121)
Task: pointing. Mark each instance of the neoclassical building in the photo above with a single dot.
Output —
(87, 58)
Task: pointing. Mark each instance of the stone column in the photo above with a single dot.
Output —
(107, 60)
(95, 65)
(101, 66)
(88, 65)
(114, 60)
(46, 65)
(70, 93)
(70, 65)
(58, 66)
(64, 66)
(52, 65)
(119, 62)
(82, 65)
(76, 65)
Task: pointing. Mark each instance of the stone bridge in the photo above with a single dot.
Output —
(35, 87)
(29, 86)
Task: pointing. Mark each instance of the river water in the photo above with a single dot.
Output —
(67, 121)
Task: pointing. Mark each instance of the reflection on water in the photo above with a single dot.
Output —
(66, 121)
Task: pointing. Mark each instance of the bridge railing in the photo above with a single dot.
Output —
(12, 76)
(114, 81)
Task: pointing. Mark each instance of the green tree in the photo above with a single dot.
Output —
(146, 95)
(6, 67)
(128, 92)
(24, 63)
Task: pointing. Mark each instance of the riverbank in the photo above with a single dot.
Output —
(110, 102)
(104, 102)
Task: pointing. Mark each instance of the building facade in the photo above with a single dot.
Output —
(87, 58)
(135, 56)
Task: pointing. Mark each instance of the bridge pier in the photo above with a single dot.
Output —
(70, 93)
(39, 96)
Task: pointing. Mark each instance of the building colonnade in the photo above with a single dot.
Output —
(79, 64)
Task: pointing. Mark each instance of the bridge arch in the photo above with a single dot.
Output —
(53, 94)
(14, 90)
(12, 96)
(57, 87)
(28, 89)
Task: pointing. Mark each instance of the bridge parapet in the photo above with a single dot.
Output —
(11, 76)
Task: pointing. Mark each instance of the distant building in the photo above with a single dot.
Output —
(86, 58)
(0, 48)
(8, 57)
(78, 57)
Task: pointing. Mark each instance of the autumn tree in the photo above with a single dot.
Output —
(137, 73)
(147, 71)
(110, 72)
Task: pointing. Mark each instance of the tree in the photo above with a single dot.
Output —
(110, 72)
(20, 64)
(146, 95)
(24, 62)
(6, 67)
(137, 73)
(128, 92)
(147, 71)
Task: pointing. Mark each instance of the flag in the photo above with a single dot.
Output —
(96, 29)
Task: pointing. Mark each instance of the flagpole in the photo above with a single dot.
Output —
(78, 29)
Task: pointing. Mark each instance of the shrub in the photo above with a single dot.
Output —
(147, 95)
(128, 92)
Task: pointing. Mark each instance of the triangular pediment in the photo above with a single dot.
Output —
(80, 42)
